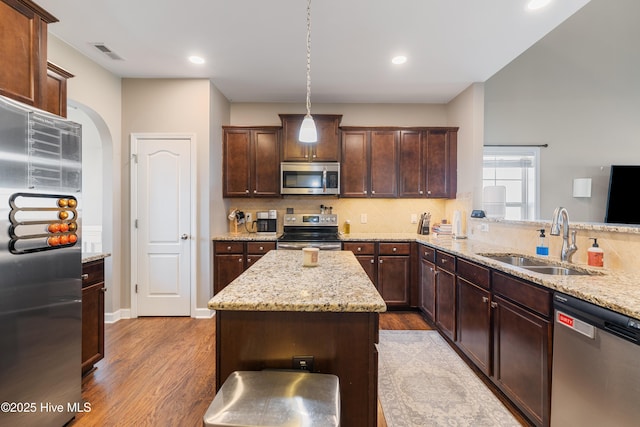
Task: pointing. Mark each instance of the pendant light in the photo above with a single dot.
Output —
(308, 132)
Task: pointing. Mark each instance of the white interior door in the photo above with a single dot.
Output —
(162, 226)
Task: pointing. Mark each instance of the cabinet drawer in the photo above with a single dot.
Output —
(446, 261)
(260, 248)
(229, 247)
(474, 273)
(360, 248)
(526, 294)
(428, 253)
(92, 272)
(394, 249)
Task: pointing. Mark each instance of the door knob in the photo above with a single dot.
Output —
(184, 236)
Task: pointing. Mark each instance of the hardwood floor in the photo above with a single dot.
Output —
(160, 371)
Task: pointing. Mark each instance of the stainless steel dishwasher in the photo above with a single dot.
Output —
(596, 366)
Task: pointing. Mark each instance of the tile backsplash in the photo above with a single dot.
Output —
(382, 215)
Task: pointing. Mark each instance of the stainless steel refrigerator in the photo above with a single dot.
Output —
(40, 267)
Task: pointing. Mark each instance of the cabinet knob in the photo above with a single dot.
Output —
(373, 191)
(239, 259)
(314, 156)
(395, 249)
(84, 276)
(228, 248)
(373, 262)
(255, 191)
(359, 249)
(364, 192)
(421, 192)
(103, 290)
(248, 259)
(431, 269)
(261, 248)
(246, 191)
(428, 191)
(494, 304)
(485, 300)
(380, 261)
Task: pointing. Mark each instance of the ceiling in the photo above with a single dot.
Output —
(255, 49)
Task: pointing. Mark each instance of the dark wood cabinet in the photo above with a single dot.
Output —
(427, 278)
(25, 74)
(231, 258)
(394, 273)
(56, 99)
(93, 290)
(354, 168)
(446, 294)
(411, 177)
(251, 162)
(441, 163)
(327, 149)
(522, 343)
(389, 266)
(369, 165)
(365, 253)
(383, 169)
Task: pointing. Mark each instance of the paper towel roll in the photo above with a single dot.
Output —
(457, 223)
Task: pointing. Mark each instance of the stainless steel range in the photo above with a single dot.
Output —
(310, 230)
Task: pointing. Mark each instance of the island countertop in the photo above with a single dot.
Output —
(279, 282)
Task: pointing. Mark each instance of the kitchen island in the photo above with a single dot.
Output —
(278, 309)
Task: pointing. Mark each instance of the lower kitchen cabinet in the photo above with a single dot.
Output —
(446, 294)
(474, 313)
(389, 267)
(427, 279)
(92, 314)
(522, 343)
(231, 258)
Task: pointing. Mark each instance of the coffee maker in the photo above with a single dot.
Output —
(267, 222)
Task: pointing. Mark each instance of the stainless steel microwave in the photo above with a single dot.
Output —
(310, 178)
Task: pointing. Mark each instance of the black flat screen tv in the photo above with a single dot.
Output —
(623, 203)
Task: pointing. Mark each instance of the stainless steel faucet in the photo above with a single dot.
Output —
(567, 249)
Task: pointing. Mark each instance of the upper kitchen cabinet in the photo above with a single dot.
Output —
(23, 49)
(428, 159)
(441, 162)
(369, 166)
(327, 149)
(56, 99)
(251, 161)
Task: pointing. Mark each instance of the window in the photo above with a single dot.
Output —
(516, 168)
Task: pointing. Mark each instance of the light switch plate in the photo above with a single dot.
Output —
(363, 218)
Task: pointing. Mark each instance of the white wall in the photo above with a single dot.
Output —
(577, 90)
(171, 106)
(98, 93)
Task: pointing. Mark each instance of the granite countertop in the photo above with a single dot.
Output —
(248, 237)
(279, 282)
(615, 290)
(94, 256)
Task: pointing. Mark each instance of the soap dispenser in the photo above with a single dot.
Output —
(595, 254)
(542, 248)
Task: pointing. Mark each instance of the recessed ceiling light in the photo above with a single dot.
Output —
(537, 4)
(196, 59)
(400, 59)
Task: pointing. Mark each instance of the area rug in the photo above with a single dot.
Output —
(422, 382)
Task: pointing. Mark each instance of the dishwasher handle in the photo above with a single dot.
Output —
(602, 318)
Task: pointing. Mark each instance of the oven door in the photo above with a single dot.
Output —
(310, 178)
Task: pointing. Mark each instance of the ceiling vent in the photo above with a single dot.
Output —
(104, 49)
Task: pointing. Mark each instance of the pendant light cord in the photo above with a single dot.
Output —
(308, 57)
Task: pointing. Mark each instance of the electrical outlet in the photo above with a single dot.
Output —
(248, 217)
(414, 218)
(363, 218)
(303, 363)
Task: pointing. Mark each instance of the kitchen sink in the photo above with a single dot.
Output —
(537, 265)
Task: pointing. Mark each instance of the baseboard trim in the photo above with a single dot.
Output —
(204, 313)
(123, 313)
